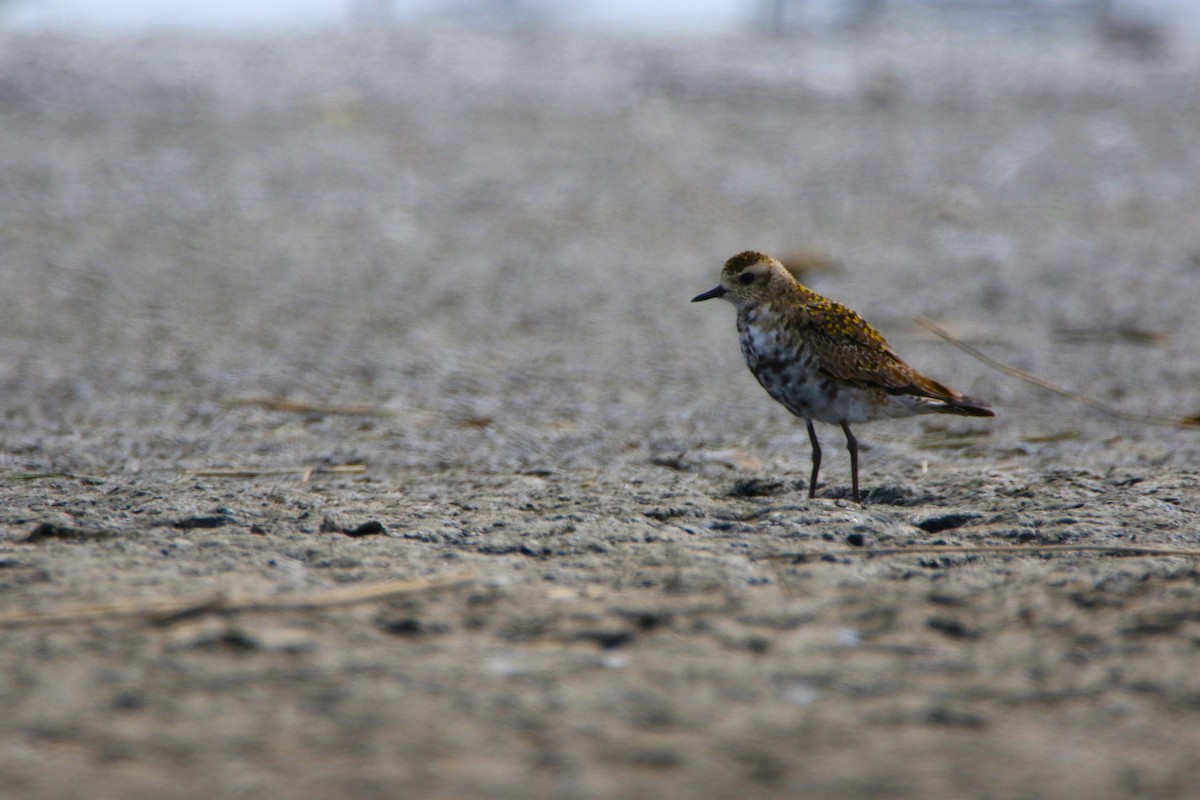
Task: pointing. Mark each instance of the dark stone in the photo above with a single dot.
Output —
(49, 530)
(756, 487)
(664, 514)
(955, 629)
(947, 522)
(403, 626)
(193, 523)
(608, 640)
(131, 700)
(372, 528)
(957, 719)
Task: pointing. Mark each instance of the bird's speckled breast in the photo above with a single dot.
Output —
(788, 369)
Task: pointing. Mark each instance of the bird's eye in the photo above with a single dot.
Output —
(746, 278)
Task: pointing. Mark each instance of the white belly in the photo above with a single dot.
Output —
(790, 373)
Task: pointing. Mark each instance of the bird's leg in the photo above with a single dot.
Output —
(816, 459)
(852, 446)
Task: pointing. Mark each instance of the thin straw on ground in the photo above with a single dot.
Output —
(166, 610)
(1177, 422)
(302, 407)
(996, 549)
(253, 472)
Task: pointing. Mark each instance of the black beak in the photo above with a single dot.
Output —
(710, 294)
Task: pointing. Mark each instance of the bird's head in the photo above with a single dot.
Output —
(748, 278)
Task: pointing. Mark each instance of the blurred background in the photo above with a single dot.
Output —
(710, 15)
(486, 218)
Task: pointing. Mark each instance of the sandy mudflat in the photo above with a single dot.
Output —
(490, 239)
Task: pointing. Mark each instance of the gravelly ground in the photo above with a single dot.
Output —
(491, 238)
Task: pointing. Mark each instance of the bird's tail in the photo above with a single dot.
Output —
(967, 407)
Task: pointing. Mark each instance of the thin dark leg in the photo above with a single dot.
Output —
(812, 437)
(852, 446)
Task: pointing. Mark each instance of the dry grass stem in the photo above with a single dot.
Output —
(997, 549)
(38, 476)
(1177, 422)
(251, 472)
(301, 407)
(167, 610)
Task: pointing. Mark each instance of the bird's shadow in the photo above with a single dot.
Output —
(875, 496)
(879, 495)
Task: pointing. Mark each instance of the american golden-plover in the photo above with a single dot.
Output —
(821, 361)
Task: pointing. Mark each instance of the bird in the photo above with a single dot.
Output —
(823, 362)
